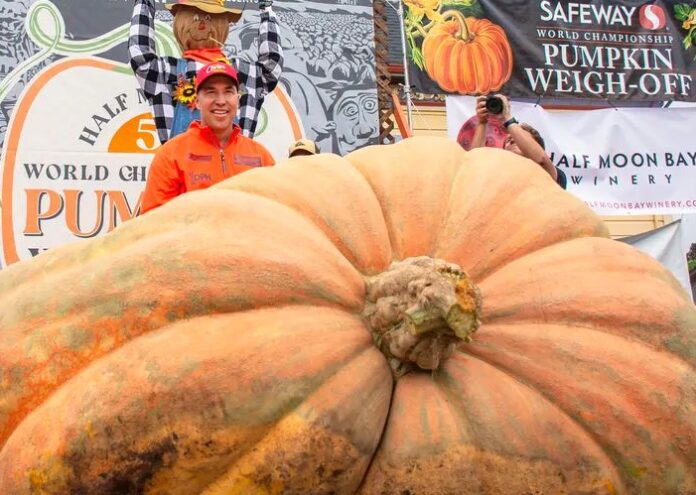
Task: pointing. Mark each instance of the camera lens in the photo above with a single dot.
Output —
(494, 105)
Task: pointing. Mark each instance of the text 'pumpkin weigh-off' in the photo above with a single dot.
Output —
(407, 319)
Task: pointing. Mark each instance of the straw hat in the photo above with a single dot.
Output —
(209, 6)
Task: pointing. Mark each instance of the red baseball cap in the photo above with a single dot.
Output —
(215, 69)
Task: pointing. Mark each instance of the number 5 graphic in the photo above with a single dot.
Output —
(147, 129)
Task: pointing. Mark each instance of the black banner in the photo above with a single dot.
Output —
(622, 50)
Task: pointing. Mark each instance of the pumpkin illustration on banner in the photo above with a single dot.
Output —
(462, 54)
(467, 55)
(411, 318)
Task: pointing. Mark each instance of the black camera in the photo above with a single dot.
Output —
(494, 104)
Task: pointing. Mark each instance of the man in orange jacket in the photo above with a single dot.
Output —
(210, 150)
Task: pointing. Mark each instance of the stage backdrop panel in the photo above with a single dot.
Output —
(77, 134)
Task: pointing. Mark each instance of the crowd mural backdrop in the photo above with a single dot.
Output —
(76, 131)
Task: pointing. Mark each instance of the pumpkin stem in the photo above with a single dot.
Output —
(464, 32)
(419, 310)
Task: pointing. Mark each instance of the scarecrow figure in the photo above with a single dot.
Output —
(201, 28)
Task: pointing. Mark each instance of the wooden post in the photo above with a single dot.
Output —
(386, 110)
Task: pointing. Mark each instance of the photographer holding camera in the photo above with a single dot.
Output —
(522, 139)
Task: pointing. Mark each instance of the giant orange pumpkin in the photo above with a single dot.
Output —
(293, 330)
(467, 55)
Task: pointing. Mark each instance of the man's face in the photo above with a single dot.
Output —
(510, 145)
(218, 101)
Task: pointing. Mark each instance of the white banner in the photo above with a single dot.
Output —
(619, 161)
(665, 245)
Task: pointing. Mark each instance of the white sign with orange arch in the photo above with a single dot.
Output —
(78, 149)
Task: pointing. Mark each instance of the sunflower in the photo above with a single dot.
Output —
(185, 91)
(428, 8)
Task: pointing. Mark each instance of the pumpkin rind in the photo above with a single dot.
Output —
(581, 377)
(472, 428)
(502, 207)
(152, 279)
(207, 401)
(580, 374)
(412, 184)
(335, 196)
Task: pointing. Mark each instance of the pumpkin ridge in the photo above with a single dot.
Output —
(380, 443)
(457, 75)
(574, 326)
(288, 412)
(615, 452)
(38, 399)
(444, 162)
(345, 244)
(486, 69)
(99, 246)
(27, 396)
(560, 239)
(603, 328)
(471, 84)
(468, 240)
(591, 436)
(212, 489)
(592, 332)
(445, 219)
(497, 71)
(650, 266)
(362, 343)
(513, 193)
(318, 222)
(391, 233)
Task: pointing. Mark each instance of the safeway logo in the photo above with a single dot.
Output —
(652, 17)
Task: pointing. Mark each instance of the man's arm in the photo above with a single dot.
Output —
(526, 143)
(531, 149)
(151, 71)
(479, 139)
(164, 181)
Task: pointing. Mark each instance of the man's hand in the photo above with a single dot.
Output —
(264, 4)
(481, 111)
(478, 140)
(506, 114)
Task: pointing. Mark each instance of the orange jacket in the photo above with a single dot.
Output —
(196, 160)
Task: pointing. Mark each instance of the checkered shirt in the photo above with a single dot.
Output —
(157, 76)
